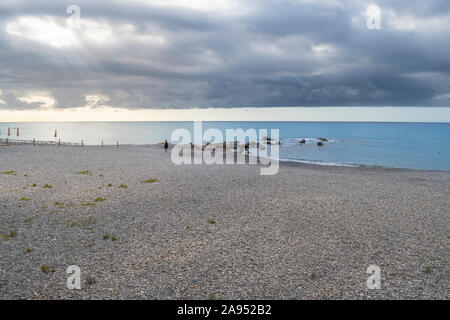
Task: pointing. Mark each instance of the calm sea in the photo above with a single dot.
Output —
(401, 145)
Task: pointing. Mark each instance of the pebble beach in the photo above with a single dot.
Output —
(141, 227)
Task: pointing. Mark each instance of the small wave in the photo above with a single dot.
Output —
(320, 163)
(254, 152)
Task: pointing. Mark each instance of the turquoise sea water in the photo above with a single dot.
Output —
(401, 145)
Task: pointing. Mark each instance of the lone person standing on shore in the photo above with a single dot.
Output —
(166, 145)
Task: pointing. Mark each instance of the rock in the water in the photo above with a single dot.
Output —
(302, 141)
(323, 139)
(320, 144)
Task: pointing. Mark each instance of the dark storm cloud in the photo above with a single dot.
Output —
(252, 53)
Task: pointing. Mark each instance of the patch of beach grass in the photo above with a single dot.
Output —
(28, 250)
(88, 204)
(24, 199)
(108, 236)
(47, 269)
(99, 199)
(123, 186)
(86, 173)
(8, 236)
(153, 180)
(68, 205)
(47, 186)
(10, 172)
(109, 185)
(211, 221)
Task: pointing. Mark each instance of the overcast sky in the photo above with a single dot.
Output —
(173, 54)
